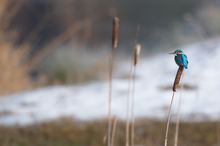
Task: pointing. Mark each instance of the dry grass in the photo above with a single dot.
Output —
(175, 85)
(15, 65)
(68, 132)
(14, 73)
(114, 130)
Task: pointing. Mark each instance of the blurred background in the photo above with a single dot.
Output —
(56, 37)
(54, 59)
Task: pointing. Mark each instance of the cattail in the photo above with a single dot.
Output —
(175, 85)
(137, 51)
(132, 75)
(115, 42)
(178, 77)
(115, 32)
(176, 138)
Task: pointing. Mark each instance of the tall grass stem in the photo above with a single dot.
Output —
(127, 132)
(114, 130)
(176, 137)
(137, 51)
(115, 42)
(132, 108)
(168, 120)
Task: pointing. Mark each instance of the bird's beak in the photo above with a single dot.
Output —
(172, 53)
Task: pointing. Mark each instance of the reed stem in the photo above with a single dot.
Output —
(136, 56)
(114, 130)
(168, 120)
(132, 108)
(128, 108)
(176, 138)
(110, 98)
(115, 42)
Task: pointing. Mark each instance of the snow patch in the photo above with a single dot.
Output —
(89, 101)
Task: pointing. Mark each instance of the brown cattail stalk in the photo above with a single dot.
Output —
(115, 32)
(132, 73)
(137, 51)
(115, 42)
(178, 77)
(175, 85)
(176, 138)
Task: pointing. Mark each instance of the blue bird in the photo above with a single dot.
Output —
(180, 58)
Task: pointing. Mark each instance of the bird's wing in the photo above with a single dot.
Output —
(185, 58)
(176, 59)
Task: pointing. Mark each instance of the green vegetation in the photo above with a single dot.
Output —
(67, 132)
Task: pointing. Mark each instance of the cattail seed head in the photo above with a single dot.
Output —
(115, 32)
(177, 79)
(137, 51)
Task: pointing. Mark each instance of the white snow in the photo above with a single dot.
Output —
(154, 74)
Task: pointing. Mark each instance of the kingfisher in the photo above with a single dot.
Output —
(180, 58)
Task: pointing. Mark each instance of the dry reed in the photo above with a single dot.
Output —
(134, 61)
(137, 51)
(127, 130)
(114, 130)
(14, 73)
(55, 44)
(177, 78)
(175, 85)
(176, 135)
(115, 32)
(15, 65)
(115, 42)
(168, 120)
